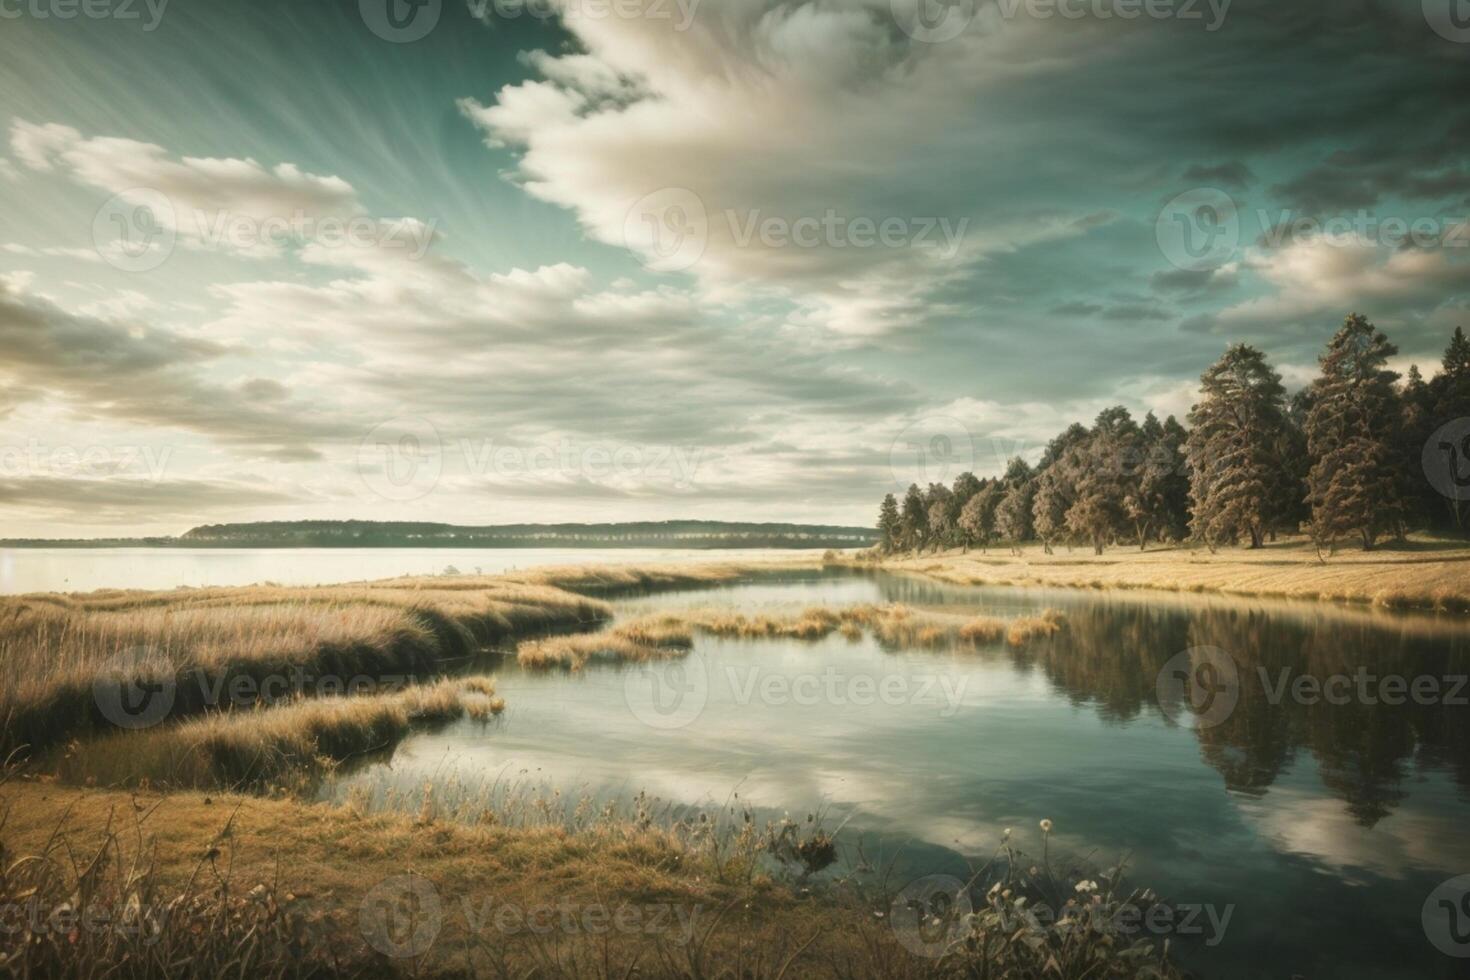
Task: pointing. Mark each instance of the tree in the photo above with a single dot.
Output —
(1105, 465)
(1054, 496)
(888, 524)
(1157, 502)
(941, 529)
(1416, 427)
(977, 520)
(1450, 397)
(1352, 431)
(914, 521)
(1233, 448)
(939, 509)
(1013, 513)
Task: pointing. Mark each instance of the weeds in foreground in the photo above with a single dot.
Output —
(620, 897)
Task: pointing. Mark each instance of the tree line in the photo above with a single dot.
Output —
(1348, 457)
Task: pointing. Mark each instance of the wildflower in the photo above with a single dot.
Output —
(1046, 826)
(1087, 887)
(1006, 835)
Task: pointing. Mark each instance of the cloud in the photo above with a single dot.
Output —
(229, 203)
(150, 377)
(1232, 174)
(126, 499)
(779, 131)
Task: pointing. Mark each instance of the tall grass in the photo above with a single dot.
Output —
(288, 747)
(642, 639)
(56, 650)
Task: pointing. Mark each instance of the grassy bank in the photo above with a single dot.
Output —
(143, 886)
(1421, 574)
(259, 643)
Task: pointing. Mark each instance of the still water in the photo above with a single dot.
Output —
(86, 569)
(1321, 829)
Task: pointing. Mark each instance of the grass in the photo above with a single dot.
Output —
(55, 650)
(146, 886)
(670, 634)
(282, 748)
(1423, 573)
(638, 640)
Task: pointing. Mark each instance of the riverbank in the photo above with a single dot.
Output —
(187, 882)
(1423, 573)
(206, 649)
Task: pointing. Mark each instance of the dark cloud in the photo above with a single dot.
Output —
(1233, 175)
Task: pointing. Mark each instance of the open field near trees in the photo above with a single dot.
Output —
(1421, 573)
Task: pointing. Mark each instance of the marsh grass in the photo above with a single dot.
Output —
(638, 640)
(895, 625)
(283, 748)
(56, 650)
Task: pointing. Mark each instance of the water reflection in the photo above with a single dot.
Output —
(1286, 808)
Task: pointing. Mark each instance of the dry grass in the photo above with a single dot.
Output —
(670, 634)
(55, 649)
(243, 886)
(1422, 574)
(642, 639)
(287, 747)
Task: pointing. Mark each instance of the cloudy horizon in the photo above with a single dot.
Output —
(596, 260)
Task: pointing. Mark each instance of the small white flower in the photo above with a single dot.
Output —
(1046, 826)
(1087, 887)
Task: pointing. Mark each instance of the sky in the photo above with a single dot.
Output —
(493, 261)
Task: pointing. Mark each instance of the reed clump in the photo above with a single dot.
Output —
(894, 624)
(646, 638)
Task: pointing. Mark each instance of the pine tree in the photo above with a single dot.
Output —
(914, 521)
(1106, 468)
(1352, 431)
(888, 524)
(1450, 396)
(1157, 500)
(1234, 446)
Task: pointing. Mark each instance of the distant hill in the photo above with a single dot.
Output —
(405, 534)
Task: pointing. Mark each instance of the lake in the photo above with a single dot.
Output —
(86, 569)
(1312, 832)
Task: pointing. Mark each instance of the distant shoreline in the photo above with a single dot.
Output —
(683, 535)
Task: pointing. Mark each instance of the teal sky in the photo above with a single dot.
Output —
(621, 261)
